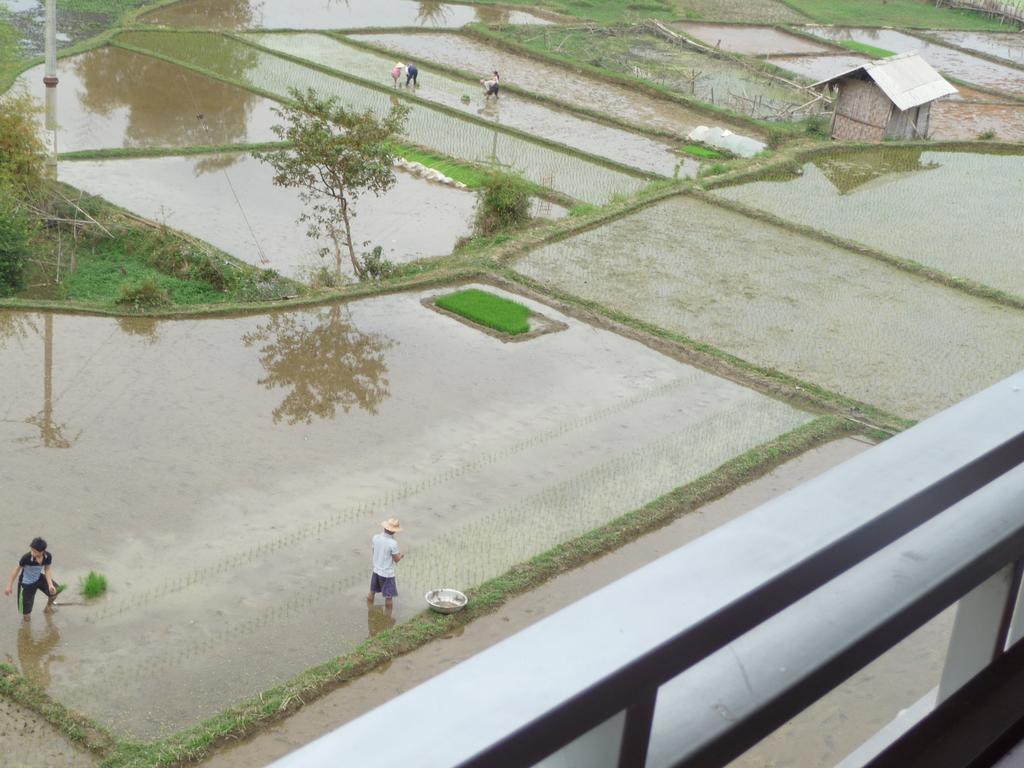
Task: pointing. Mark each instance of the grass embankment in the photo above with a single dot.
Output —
(125, 264)
(488, 310)
(869, 50)
(195, 743)
(914, 14)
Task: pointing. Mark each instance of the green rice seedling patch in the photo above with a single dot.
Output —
(786, 302)
(436, 129)
(699, 150)
(869, 50)
(94, 585)
(488, 309)
(912, 14)
(976, 196)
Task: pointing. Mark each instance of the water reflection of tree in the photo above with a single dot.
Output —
(325, 362)
(227, 14)
(165, 104)
(146, 328)
(432, 13)
(16, 325)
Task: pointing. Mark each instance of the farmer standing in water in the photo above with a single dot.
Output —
(33, 574)
(385, 555)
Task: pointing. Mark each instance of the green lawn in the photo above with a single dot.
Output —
(918, 14)
(488, 310)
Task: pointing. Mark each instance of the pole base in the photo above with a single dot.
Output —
(50, 81)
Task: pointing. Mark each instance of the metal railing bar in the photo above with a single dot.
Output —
(1003, 636)
(570, 719)
(749, 727)
(637, 736)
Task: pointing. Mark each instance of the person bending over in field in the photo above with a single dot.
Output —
(33, 574)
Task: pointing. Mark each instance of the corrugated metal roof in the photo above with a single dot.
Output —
(907, 79)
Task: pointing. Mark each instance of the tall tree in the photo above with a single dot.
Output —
(334, 155)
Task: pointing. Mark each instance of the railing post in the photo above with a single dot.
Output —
(980, 629)
(637, 736)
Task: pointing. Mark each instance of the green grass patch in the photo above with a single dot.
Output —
(488, 310)
(469, 175)
(914, 14)
(699, 150)
(94, 585)
(870, 50)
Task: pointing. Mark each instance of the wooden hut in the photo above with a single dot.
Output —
(886, 99)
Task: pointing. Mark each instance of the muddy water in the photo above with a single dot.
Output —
(1005, 45)
(511, 110)
(825, 315)
(359, 697)
(819, 67)
(961, 65)
(965, 121)
(28, 741)
(764, 11)
(546, 80)
(975, 196)
(579, 178)
(110, 98)
(231, 202)
(328, 14)
(257, 456)
(757, 41)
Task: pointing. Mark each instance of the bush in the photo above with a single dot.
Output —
(143, 295)
(15, 240)
(504, 203)
(22, 154)
(94, 585)
(986, 135)
(375, 266)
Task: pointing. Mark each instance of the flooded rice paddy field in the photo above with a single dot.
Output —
(511, 110)
(952, 62)
(717, 80)
(545, 79)
(976, 197)
(26, 739)
(1005, 45)
(240, 450)
(579, 178)
(777, 299)
(328, 14)
(231, 202)
(755, 41)
(819, 67)
(965, 121)
(112, 98)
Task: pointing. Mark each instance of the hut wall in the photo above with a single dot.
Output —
(909, 124)
(862, 111)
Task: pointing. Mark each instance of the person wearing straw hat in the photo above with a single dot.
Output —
(396, 72)
(385, 555)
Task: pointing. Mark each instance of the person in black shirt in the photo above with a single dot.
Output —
(33, 574)
(411, 73)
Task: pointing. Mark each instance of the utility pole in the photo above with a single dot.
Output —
(50, 80)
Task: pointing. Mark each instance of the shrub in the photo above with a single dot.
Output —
(15, 240)
(94, 585)
(776, 137)
(22, 153)
(504, 203)
(817, 125)
(375, 266)
(143, 295)
(987, 135)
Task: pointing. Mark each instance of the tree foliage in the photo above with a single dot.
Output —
(22, 153)
(334, 155)
(504, 203)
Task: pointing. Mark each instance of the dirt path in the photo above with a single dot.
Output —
(408, 671)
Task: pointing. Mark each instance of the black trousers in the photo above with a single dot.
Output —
(27, 594)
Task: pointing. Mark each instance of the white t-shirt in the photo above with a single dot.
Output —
(384, 547)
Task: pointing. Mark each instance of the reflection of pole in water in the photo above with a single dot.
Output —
(50, 80)
(52, 434)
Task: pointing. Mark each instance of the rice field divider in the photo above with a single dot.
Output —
(484, 34)
(961, 284)
(595, 115)
(804, 395)
(434, 106)
(269, 706)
